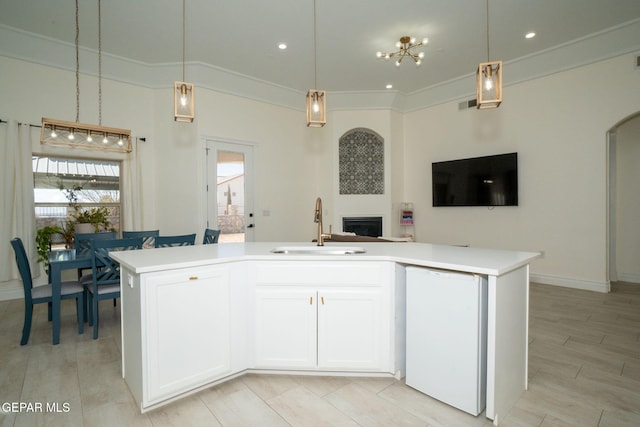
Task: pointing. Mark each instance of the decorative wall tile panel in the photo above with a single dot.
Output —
(361, 162)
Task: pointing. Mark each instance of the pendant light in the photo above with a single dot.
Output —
(183, 105)
(316, 99)
(79, 135)
(489, 79)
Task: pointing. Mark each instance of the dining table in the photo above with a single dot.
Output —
(59, 260)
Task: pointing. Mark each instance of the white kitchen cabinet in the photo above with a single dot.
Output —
(286, 324)
(352, 328)
(314, 320)
(355, 280)
(184, 330)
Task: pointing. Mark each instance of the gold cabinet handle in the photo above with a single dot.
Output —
(310, 300)
(193, 277)
(322, 299)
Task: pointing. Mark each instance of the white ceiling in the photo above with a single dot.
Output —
(241, 36)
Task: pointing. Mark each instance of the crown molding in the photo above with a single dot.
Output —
(30, 47)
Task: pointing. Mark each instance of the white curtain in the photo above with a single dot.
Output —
(131, 207)
(17, 217)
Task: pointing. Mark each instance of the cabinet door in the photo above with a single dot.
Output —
(188, 329)
(285, 328)
(353, 328)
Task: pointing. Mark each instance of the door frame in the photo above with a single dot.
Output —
(210, 146)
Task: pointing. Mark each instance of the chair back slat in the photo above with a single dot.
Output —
(83, 240)
(172, 241)
(210, 236)
(105, 269)
(23, 267)
(148, 237)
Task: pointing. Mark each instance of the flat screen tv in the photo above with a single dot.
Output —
(479, 181)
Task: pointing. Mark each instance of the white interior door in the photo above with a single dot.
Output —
(230, 190)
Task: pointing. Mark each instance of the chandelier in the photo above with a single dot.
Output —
(406, 46)
(79, 135)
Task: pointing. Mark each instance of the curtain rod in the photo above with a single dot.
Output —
(30, 125)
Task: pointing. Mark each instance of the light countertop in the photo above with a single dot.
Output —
(466, 259)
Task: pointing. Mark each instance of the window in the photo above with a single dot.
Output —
(66, 187)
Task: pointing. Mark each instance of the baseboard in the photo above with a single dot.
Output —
(11, 290)
(587, 285)
(629, 277)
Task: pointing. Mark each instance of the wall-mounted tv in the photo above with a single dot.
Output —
(479, 181)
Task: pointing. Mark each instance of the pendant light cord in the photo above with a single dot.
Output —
(100, 62)
(77, 64)
(488, 56)
(77, 42)
(315, 48)
(184, 36)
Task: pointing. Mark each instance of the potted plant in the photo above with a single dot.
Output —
(68, 231)
(91, 220)
(43, 243)
(84, 220)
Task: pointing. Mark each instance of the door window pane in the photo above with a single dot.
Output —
(230, 191)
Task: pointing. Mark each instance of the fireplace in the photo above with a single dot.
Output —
(363, 225)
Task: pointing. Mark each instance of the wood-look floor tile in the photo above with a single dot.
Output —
(584, 370)
(190, 411)
(368, 409)
(300, 407)
(612, 418)
(430, 410)
(559, 402)
(613, 391)
(322, 386)
(234, 404)
(56, 414)
(107, 414)
(268, 386)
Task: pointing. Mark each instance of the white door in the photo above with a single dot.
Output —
(230, 190)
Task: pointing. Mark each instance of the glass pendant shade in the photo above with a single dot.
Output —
(316, 108)
(489, 84)
(184, 107)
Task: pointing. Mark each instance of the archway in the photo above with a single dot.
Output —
(623, 200)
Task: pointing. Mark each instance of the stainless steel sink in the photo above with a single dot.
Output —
(318, 250)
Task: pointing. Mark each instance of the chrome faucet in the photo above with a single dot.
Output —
(317, 218)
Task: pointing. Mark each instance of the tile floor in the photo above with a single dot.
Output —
(584, 370)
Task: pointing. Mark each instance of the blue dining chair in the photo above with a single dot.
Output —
(148, 237)
(171, 241)
(210, 236)
(82, 245)
(41, 294)
(105, 283)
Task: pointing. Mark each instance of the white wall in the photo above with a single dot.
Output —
(289, 159)
(558, 126)
(628, 201)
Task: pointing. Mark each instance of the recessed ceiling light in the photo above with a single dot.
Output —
(389, 86)
(282, 46)
(530, 35)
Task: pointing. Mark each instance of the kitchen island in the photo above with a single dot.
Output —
(196, 316)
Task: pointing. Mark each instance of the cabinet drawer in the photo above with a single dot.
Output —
(348, 273)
